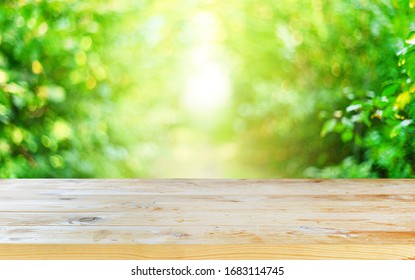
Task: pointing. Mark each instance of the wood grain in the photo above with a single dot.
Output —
(207, 219)
(205, 252)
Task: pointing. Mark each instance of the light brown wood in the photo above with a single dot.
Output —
(207, 219)
(206, 252)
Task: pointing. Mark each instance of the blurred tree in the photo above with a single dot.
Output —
(86, 87)
(297, 61)
(377, 119)
(52, 86)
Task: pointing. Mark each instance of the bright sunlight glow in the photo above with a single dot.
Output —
(208, 84)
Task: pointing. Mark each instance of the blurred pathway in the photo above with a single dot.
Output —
(205, 96)
(193, 156)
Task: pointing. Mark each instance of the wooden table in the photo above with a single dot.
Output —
(207, 219)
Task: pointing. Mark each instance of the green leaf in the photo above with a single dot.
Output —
(395, 131)
(328, 127)
(390, 89)
(411, 38)
(354, 107)
(365, 117)
(405, 123)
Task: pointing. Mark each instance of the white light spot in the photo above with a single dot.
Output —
(207, 87)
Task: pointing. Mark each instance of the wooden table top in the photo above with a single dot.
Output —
(248, 219)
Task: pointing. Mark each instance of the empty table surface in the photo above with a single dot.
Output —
(207, 219)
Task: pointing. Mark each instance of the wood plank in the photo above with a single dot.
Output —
(208, 186)
(145, 217)
(241, 234)
(206, 252)
(110, 205)
(303, 215)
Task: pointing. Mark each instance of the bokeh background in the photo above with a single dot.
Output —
(207, 88)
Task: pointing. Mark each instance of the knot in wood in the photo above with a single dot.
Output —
(180, 235)
(85, 220)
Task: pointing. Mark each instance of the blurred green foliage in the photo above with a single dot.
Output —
(318, 88)
(321, 91)
(52, 89)
(375, 116)
(86, 87)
